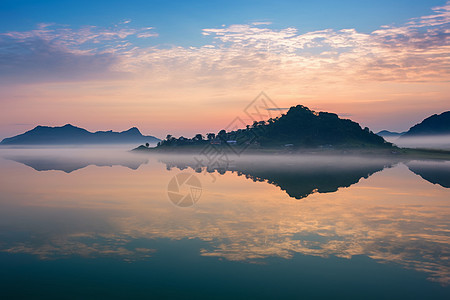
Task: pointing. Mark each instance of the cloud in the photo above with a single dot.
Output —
(242, 55)
(146, 35)
(261, 23)
(35, 59)
(239, 55)
(55, 53)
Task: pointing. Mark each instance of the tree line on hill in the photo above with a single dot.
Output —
(299, 127)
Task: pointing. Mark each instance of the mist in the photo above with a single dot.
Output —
(426, 142)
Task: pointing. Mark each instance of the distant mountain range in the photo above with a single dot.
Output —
(72, 135)
(434, 125)
(390, 134)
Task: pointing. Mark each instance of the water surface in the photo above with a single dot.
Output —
(85, 224)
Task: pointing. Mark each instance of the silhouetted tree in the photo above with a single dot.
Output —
(222, 134)
(198, 137)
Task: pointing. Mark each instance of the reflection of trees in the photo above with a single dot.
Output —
(299, 178)
(299, 183)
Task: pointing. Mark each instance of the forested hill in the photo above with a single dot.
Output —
(299, 127)
(304, 127)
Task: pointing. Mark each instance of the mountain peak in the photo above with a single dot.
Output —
(132, 130)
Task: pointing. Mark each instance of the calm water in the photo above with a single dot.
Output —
(83, 224)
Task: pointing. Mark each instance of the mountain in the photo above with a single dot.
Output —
(304, 127)
(431, 126)
(389, 134)
(72, 135)
(300, 127)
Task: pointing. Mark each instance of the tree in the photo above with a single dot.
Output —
(222, 135)
(198, 137)
(211, 136)
(169, 137)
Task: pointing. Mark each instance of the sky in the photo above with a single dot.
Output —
(187, 67)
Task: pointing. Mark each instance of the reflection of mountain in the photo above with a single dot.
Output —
(437, 173)
(298, 176)
(300, 183)
(69, 163)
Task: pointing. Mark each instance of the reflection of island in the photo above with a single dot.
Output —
(69, 163)
(299, 176)
(437, 173)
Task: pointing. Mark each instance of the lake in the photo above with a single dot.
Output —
(108, 224)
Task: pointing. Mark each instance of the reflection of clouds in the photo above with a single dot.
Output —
(409, 234)
(393, 217)
(84, 245)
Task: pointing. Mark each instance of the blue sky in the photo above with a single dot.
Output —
(181, 22)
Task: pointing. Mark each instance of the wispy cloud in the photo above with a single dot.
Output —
(55, 52)
(261, 23)
(244, 54)
(417, 51)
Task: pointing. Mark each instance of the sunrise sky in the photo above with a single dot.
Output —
(186, 67)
